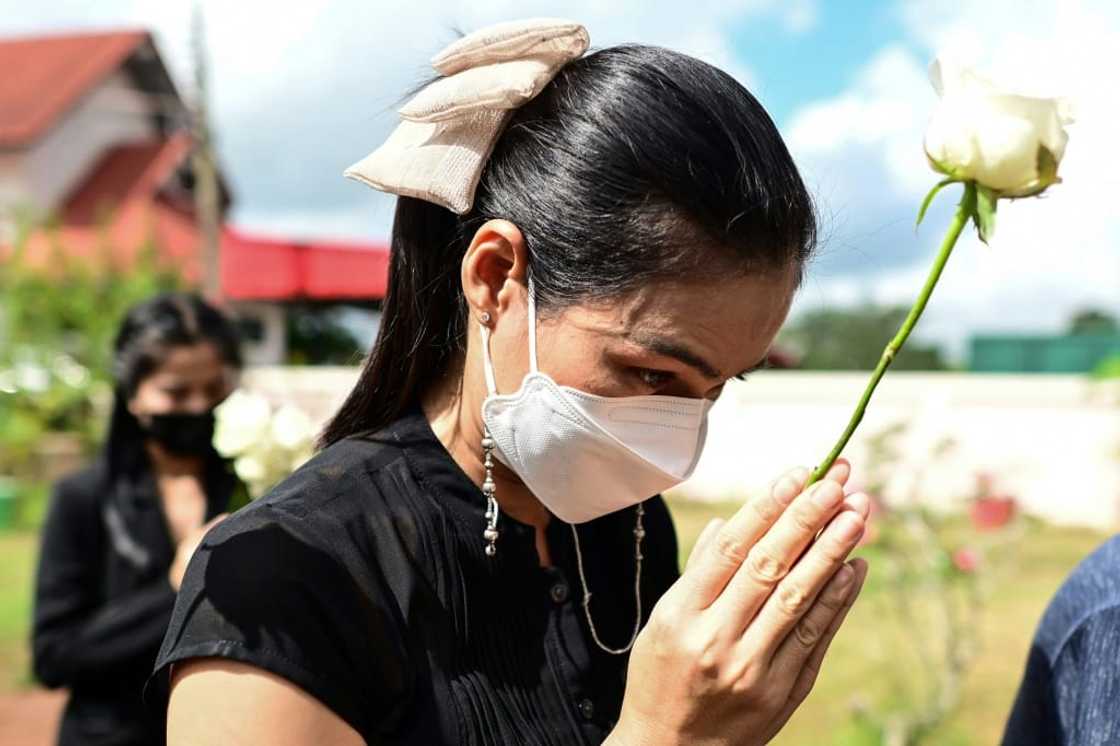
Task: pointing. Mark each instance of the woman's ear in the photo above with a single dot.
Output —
(495, 267)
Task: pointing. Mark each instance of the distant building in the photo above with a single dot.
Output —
(1064, 353)
(94, 142)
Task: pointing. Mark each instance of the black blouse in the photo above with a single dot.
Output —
(362, 580)
(103, 598)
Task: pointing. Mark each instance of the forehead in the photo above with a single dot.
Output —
(730, 321)
(190, 363)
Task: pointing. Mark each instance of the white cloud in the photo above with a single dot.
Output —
(862, 150)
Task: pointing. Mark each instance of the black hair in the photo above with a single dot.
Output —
(634, 164)
(149, 330)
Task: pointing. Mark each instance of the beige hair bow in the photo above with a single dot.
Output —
(450, 127)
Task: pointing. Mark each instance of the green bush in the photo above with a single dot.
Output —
(57, 323)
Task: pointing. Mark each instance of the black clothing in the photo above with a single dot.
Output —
(362, 579)
(103, 599)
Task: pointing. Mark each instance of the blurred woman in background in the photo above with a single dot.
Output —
(119, 533)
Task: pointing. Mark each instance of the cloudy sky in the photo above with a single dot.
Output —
(301, 90)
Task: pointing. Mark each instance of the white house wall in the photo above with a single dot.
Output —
(113, 113)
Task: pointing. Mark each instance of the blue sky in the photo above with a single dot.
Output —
(794, 67)
(303, 90)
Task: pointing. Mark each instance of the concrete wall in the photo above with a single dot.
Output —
(1051, 441)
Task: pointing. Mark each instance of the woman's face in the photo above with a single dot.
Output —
(670, 338)
(192, 379)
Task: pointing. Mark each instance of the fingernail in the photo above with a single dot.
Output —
(825, 495)
(844, 576)
(786, 489)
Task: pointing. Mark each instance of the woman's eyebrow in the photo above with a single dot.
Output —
(671, 348)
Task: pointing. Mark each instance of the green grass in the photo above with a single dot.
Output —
(863, 664)
(17, 568)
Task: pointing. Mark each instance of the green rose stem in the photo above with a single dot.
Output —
(966, 210)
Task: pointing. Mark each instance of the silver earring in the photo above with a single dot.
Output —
(485, 317)
(491, 533)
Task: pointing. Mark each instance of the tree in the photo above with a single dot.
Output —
(1093, 321)
(317, 335)
(853, 339)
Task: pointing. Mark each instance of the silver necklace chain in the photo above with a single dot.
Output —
(639, 534)
(491, 534)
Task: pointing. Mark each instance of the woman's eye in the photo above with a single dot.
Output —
(655, 379)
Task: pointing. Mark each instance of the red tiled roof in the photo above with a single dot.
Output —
(44, 76)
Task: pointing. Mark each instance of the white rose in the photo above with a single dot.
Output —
(291, 428)
(1009, 143)
(241, 421)
(250, 468)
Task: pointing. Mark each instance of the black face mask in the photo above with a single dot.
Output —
(184, 434)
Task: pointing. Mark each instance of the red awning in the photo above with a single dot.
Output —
(259, 268)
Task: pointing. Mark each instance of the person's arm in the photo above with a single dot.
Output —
(75, 635)
(1086, 681)
(265, 596)
(247, 705)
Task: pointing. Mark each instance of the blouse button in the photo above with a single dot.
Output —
(586, 708)
(559, 592)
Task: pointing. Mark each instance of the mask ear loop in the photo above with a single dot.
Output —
(487, 363)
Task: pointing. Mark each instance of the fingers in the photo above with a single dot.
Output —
(790, 609)
(858, 502)
(773, 556)
(709, 572)
(197, 534)
(211, 523)
(810, 668)
(707, 576)
(703, 539)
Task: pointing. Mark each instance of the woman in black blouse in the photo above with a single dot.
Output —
(463, 564)
(119, 533)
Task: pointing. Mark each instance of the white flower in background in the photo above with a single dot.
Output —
(32, 378)
(241, 421)
(291, 428)
(266, 445)
(70, 371)
(1009, 143)
(250, 468)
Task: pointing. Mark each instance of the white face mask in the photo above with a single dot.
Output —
(585, 456)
